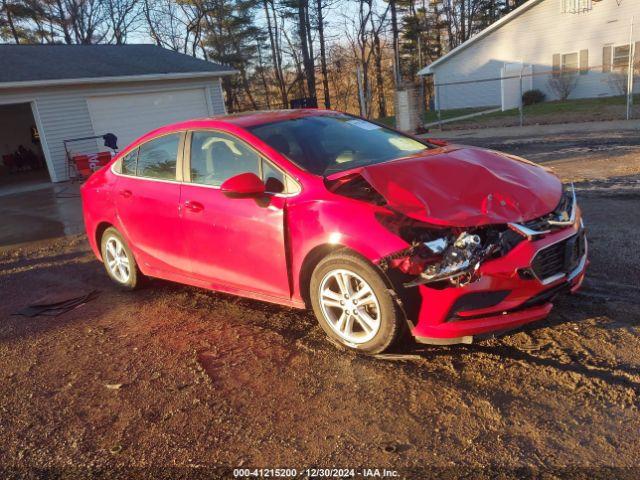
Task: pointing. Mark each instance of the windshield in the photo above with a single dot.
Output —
(326, 144)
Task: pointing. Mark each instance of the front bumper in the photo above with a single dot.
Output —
(507, 294)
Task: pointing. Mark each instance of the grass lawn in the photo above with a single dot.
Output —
(584, 109)
(432, 115)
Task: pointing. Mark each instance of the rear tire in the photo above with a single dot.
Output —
(353, 304)
(119, 261)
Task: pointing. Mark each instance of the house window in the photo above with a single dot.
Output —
(616, 58)
(575, 6)
(620, 58)
(570, 62)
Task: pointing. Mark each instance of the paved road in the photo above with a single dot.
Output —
(544, 148)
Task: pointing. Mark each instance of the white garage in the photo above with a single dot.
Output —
(129, 116)
(54, 93)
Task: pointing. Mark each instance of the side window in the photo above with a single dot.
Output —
(273, 178)
(128, 163)
(157, 158)
(217, 156)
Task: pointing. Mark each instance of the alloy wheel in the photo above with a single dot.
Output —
(117, 260)
(350, 306)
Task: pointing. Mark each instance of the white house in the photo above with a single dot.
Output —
(590, 37)
(49, 93)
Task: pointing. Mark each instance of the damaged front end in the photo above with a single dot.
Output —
(452, 256)
(444, 257)
(445, 248)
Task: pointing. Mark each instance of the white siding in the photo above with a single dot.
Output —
(532, 38)
(132, 115)
(63, 111)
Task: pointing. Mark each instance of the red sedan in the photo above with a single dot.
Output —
(378, 232)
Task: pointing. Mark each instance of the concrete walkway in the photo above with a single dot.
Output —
(536, 130)
(40, 212)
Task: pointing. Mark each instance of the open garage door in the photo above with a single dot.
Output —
(132, 115)
(22, 161)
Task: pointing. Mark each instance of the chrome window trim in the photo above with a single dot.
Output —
(179, 158)
(179, 182)
(184, 150)
(187, 162)
(142, 178)
(179, 154)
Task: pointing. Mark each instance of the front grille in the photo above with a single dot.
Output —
(559, 258)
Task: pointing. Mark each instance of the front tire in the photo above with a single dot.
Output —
(353, 304)
(118, 260)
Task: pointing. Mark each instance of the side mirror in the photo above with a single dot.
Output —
(243, 185)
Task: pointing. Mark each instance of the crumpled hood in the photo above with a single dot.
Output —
(465, 186)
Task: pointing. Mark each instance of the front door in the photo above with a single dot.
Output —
(147, 196)
(236, 244)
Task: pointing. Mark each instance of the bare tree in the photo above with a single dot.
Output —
(85, 20)
(276, 51)
(164, 24)
(377, 56)
(8, 21)
(563, 83)
(123, 17)
(362, 51)
(323, 54)
(396, 42)
(306, 46)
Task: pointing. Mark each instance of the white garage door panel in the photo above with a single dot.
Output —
(131, 116)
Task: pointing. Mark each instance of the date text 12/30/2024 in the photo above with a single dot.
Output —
(314, 473)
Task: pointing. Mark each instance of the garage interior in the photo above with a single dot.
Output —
(22, 161)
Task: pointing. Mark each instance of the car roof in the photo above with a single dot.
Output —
(252, 119)
(238, 120)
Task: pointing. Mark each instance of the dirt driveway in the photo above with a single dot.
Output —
(171, 376)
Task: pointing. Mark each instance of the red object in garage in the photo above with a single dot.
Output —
(85, 164)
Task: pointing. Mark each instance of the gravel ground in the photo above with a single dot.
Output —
(172, 381)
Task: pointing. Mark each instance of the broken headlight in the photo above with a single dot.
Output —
(451, 257)
(456, 260)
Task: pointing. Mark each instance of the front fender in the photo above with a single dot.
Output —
(347, 223)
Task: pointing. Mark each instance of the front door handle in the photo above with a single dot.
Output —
(125, 193)
(193, 206)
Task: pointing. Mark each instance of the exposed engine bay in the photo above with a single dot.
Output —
(451, 256)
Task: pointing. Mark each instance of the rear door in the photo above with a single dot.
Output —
(147, 201)
(236, 244)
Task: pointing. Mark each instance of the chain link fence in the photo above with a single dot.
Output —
(568, 91)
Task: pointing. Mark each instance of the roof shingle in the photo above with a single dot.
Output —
(27, 63)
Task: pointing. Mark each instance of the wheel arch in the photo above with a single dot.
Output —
(315, 256)
(99, 232)
(311, 260)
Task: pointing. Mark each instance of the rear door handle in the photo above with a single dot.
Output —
(125, 193)
(193, 206)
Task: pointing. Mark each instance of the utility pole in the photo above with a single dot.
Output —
(630, 71)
